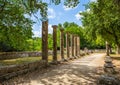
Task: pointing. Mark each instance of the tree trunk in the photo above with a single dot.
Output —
(110, 49)
(118, 49)
(107, 48)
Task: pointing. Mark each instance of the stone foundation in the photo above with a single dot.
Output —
(14, 70)
(14, 55)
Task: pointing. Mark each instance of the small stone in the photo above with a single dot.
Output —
(108, 65)
(108, 59)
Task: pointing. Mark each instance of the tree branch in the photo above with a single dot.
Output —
(108, 32)
(2, 7)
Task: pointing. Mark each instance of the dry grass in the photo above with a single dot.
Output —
(115, 56)
(116, 59)
(19, 60)
(25, 60)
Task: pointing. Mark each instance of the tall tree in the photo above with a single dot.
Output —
(15, 28)
(12, 20)
(103, 20)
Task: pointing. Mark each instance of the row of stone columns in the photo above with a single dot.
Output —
(74, 44)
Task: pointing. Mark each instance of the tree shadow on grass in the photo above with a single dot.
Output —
(67, 74)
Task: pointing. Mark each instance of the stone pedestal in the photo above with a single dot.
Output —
(108, 78)
(108, 66)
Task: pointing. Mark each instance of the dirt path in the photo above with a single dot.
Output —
(83, 71)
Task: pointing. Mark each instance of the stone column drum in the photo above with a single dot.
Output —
(62, 43)
(75, 46)
(54, 43)
(78, 46)
(72, 46)
(45, 40)
(67, 45)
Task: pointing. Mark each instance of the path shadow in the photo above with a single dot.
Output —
(67, 74)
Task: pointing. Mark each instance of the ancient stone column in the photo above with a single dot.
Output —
(107, 48)
(75, 46)
(62, 43)
(67, 45)
(78, 46)
(72, 46)
(45, 40)
(54, 43)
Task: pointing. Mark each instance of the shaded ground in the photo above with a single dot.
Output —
(83, 71)
(116, 62)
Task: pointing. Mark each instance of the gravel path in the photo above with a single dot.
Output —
(82, 71)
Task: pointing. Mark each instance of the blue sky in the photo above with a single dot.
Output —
(60, 14)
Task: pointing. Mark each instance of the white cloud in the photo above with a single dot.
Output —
(51, 13)
(93, 0)
(37, 33)
(50, 29)
(88, 10)
(78, 16)
(68, 8)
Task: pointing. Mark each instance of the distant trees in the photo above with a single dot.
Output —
(85, 39)
(103, 20)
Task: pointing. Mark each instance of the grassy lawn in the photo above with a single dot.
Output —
(24, 60)
(19, 60)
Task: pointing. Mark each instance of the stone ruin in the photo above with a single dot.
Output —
(108, 66)
(109, 77)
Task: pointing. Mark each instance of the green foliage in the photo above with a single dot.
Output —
(34, 44)
(71, 3)
(15, 28)
(102, 21)
(50, 41)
